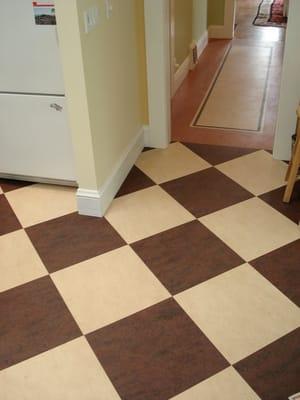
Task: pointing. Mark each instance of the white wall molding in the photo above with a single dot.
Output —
(157, 24)
(183, 70)
(290, 87)
(182, 73)
(225, 31)
(95, 202)
(202, 43)
(147, 136)
(218, 32)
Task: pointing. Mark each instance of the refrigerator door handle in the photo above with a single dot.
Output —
(56, 106)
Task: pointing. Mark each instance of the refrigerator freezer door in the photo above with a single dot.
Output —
(34, 137)
(29, 53)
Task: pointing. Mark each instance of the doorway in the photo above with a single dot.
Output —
(231, 98)
(193, 92)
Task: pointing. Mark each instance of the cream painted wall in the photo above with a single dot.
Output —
(142, 60)
(199, 18)
(183, 28)
(190, 21)
(103, 75)
(290, 86)
(215, 12)
(71, 54)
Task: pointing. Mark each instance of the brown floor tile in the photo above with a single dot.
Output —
(185, 256)
(281, 267)
(290, 210)
(34, 319)
(8, 219)
(206, 191)
(136, 180)
(73, 238)
(8, 185)
(156, 353)
(217, 154)
(274, 371)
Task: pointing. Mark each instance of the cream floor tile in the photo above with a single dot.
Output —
(67, 372)
(19, 262)
(238, 105)
(237, 88)
(240, 311)
(257, 172)
(240, 113)
(226, 385)
(38, 203)
(237, 98)
(230, 75)
(252, 228)
(254, 93)
(107, 288)
(145, 213)
(171, 163)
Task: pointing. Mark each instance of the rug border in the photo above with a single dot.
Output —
(211, 87)
(269, 24)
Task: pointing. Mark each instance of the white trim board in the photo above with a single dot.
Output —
(184, 68)
(95, 202)
(202, 43)
(157, 24)
(181, 73)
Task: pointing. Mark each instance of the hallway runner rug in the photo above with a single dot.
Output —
(236, 99)
(271, 13)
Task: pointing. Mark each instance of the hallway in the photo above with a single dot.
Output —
(203, 87)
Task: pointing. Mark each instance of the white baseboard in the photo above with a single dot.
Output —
(184, 68)
(147, 139)
(202, 43)
(95, 202)
(220, 32)
(150, 142)
(181, 73)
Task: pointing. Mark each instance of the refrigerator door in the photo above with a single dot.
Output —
(34, 137)
(29, 53)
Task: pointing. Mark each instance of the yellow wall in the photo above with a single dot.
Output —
(190, 23)
(104, 83)
(75, 85)
(142, 59)
(215, 12)
(183, 28)
(199, 18)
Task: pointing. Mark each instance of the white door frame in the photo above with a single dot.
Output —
(172, 47)
(157, 31)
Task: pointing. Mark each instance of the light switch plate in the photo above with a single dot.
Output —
(91, 18)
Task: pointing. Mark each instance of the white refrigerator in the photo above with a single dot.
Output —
(35, 141)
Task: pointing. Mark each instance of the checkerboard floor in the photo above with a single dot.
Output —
(187, 289)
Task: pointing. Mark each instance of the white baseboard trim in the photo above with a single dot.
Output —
(184, 68)
(219, 32)
(147, 139)
(95, 202)
(202, 43)
(181, 73)
(149, 142)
